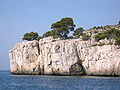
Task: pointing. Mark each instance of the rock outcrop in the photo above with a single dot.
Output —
(64, 57)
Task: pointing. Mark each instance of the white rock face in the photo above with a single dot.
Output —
(23, 57)
(103, 60)
(67, 57)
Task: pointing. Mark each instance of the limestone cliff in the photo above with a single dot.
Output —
(66, 57)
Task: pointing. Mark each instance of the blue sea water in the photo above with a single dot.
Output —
(26, 82)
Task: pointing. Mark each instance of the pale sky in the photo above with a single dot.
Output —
(20, 16)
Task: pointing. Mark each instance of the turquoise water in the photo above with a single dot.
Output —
(17, 82)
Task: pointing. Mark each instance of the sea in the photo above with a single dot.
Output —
(43, 82)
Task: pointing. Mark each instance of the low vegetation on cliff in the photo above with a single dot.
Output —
(109, 34)
(63, 27)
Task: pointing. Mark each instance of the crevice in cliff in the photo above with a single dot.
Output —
(77, 68)
(38, 48)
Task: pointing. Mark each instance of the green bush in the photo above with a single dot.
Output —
(100, 36)
(78, 32)
(112, 33)
(53, 33)
(30, 36)
(94, 27)
(117, 41)
(95, 31)
(38, 38)
(85, 37)
(47, 34)
(109, 34)
(119, 22)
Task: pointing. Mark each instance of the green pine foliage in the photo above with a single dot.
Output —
(63, 27)
(30, 36)
(78, 32)
(38, 38)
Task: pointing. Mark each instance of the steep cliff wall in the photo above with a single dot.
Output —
(67, 57)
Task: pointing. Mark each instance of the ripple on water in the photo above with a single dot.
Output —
(23, 82)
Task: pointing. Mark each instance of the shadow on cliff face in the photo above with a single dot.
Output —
(76, 69)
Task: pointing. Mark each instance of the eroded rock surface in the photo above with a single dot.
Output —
(66, 57)
(23, 58)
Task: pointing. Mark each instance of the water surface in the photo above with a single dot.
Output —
(27, 82)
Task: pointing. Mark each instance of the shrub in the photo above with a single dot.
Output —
(117, 41)
(85, 37)
(100, 36)
(119, 22)
(47, 34)
(78, 32)
(95, 31)
(30, 36)
(109, 34)
(53, 33)
(39, 38)
(94, 27)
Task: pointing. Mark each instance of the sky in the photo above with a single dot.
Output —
(18, 17)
